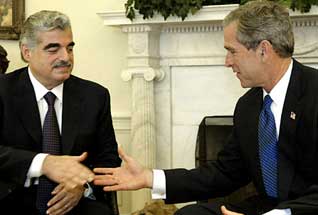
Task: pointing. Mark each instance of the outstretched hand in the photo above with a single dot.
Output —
(225, 211)
(130, 176)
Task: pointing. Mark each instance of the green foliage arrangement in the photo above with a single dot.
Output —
(302, 5)
(182, 8)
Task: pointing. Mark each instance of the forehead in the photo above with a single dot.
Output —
(58, 36)
(230, 34)
(230, 41)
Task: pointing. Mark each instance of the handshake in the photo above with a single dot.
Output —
(69, 171)
(130, 176)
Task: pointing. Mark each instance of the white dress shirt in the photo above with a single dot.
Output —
(40, 91)
(278, 94)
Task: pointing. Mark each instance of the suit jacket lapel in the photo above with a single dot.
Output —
(27, 108)
(289, 119)
(71, 114)
(253, 111)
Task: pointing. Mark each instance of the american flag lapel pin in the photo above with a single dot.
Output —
(292, 115)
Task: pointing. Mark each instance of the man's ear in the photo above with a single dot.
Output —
(25, 52)
(264, 48)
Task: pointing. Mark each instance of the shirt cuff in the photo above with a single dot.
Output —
(35, 169)
(159, 185)
(279, 212)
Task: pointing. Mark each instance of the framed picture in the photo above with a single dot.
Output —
(11, 18)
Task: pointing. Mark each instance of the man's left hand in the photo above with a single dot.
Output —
(228, 212)
(64, 199)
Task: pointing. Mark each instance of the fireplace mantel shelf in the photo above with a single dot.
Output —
(207, 13)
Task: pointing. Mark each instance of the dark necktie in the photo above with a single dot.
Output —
(268, 151)
(51, 145)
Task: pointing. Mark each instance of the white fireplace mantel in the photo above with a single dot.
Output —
(178, 76)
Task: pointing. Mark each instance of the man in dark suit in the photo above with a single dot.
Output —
(83, 123)
(274, 142)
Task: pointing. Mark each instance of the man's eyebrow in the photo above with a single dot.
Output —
(56, 45)
(71, 44)
(229, 48)
(51, 45)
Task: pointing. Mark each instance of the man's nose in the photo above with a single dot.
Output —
(65, 54)
(228, 60)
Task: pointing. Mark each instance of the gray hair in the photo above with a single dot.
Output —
(263, 20)
(42, 21)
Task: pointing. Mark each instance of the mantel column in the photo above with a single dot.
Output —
(143, 69)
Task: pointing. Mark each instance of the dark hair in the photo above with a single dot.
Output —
(4, 62)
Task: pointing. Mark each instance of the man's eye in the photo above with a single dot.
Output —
(70, 49)
(52, 50)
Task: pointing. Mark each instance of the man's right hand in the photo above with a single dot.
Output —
(131, 176)
(67, 170)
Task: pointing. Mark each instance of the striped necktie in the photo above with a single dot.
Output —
(268, 149)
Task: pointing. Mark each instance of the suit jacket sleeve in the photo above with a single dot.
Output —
(14, 163)
(102, 145)
(219, 178)
(105, 152)
(306, 204)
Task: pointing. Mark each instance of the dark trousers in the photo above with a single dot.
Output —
(22, 201)
(254, 205)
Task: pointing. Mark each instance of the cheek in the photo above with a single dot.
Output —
(51, 61)
(72, 58)
(244, 63)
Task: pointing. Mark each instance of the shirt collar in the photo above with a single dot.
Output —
(40, 90)
(280, 89)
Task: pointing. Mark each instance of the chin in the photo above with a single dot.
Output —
(63, 76)
(244, 85)
(247, 86)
